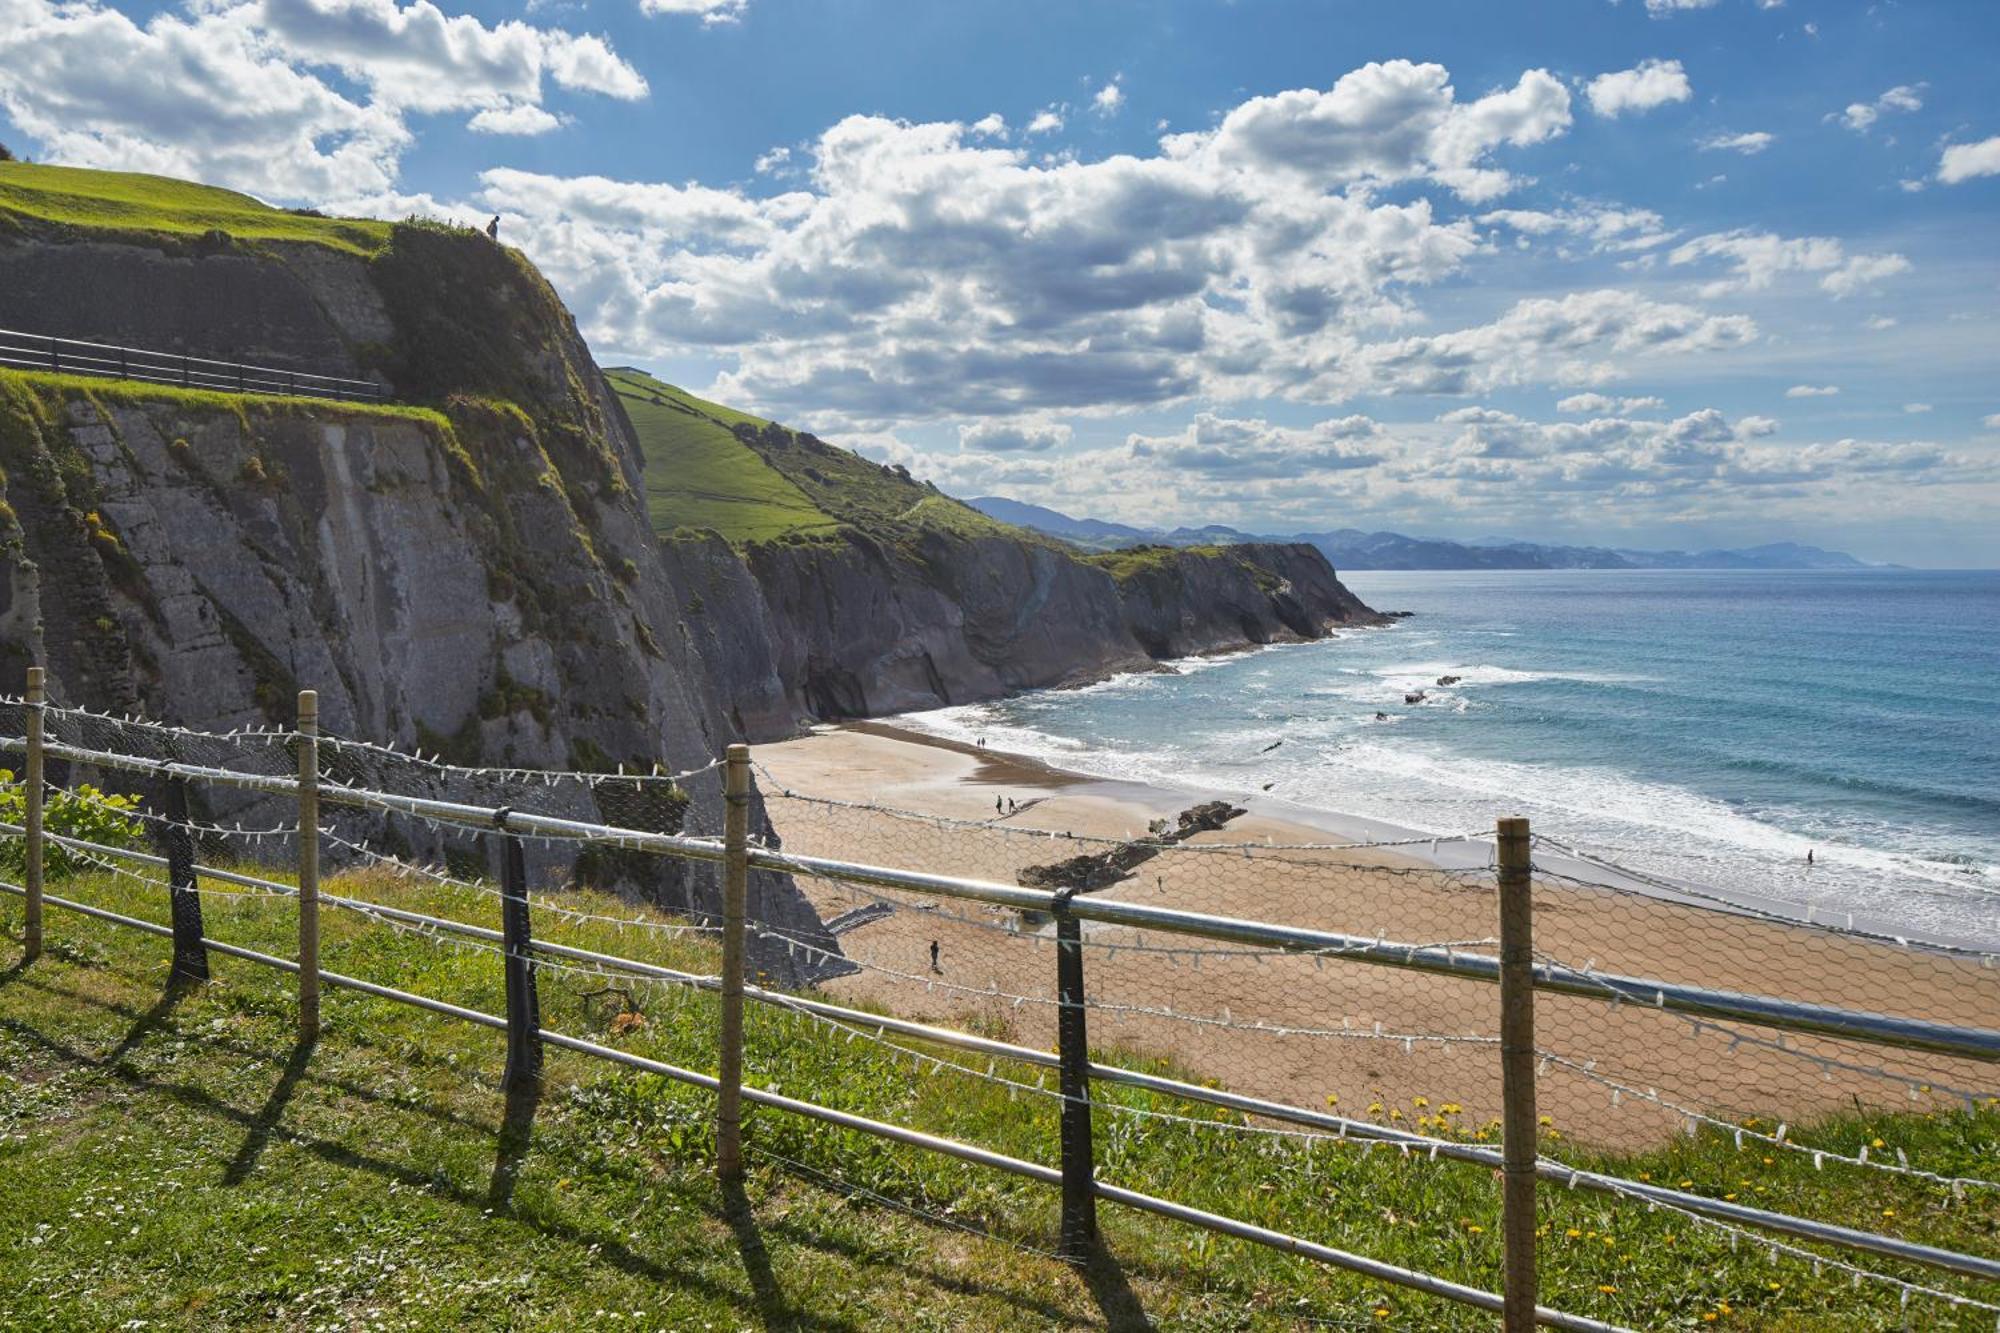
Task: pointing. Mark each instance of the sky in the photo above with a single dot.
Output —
(1637, 272)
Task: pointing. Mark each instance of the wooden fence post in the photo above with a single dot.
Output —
(1079, 1174)
(735, 890)
(34, 847)
(1517, 1075)
(308, 734)
(183, 892)
(524, 1008)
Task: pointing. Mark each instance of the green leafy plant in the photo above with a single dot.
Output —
(86, 814)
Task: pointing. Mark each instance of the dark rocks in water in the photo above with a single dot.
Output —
(1397, 615)
(1449, 680)
(1381, 716)
(1414, 697)
(1100, 870)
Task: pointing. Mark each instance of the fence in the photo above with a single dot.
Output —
(1220, 1005)
(35, 351)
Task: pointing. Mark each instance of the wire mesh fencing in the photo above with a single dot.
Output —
(1338, 1061)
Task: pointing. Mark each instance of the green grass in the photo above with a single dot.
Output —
(699, 475)
(182, 1163)
(213, 400)
(130, 203)
(768, 483)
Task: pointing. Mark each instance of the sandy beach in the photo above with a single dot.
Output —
(1305, 1030)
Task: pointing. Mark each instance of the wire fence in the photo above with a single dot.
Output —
(69, 356)
(1251, 1004)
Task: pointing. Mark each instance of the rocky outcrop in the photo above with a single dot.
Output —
(858, 627)
(479, 580)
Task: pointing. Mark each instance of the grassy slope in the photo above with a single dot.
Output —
(129, 203)
(699, 475)
(183, 1164)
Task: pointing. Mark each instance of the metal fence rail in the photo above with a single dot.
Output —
(1082, 1191)
(70, 356)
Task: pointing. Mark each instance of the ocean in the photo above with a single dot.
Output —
(1707, 727)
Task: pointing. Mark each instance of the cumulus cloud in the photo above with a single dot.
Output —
(1812, 391)
(520, 119)
(926, 272)
(230, 93)
(1216, 446)
(1387, 121)
(1598, 404)
(1046, 121)
(990, 126)
(1749, 143)
(1646, 85)
(709, 11)
(1860, 115)
(1758, 259)
(1109, 98)
(1603, 227)
(1008, 437)
(1963, 161)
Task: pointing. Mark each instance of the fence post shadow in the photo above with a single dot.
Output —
(517, 1129)
(270, 1113)
(1104, 1277)
(764, 1289)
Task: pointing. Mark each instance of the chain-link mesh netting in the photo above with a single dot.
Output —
(1776, 1119)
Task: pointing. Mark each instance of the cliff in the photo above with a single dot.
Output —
(868, 592)
(476, 577)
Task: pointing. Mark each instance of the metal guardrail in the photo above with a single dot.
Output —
(1071, 1060)
(70, 356)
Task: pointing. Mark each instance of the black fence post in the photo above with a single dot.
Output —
(190, 955)
(524, 1010)
(1079, 1185)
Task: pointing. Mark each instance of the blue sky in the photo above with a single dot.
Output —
(1667, 273)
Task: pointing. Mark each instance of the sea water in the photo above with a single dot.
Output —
(1710, 728)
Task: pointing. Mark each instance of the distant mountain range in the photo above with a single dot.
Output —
(1351, 548)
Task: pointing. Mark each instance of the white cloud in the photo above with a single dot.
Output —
(774, 160)
(1109, 98)
(1812, 391)
(709, 11)
(1759, 258)
(1598, 404)
(1749, 143)
(990, 126)
(1916, 409)
(1881, 322)
(1646, 85)
(923, 272)
(1604, 227)
(1017, 436)
(230, 93)
(1902, 98)
(1963, 161)
(1216, 446)
(522, 119)
(1387, 121)
(1660, 9)
(1991, 422)
(1046, 121)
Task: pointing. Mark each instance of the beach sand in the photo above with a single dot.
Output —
(1302, 1030)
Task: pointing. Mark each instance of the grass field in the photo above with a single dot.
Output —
(699, 475)
(132, 203)
(176, 1159)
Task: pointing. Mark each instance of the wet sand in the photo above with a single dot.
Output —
(1301, 1029)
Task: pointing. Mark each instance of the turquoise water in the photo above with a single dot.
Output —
(1709, 727)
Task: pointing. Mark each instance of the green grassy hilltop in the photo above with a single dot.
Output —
(35, 198)
(709, 466)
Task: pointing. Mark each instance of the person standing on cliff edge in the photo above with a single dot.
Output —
(493, 229)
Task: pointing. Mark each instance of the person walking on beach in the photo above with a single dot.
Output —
(1809, 852)
(997, 808)
(934, 959)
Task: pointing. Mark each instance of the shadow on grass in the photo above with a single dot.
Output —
(268, 1115)
(517, 1127)
(1116, 1300)
(765, 1300)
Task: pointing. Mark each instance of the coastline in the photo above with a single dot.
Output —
(884, 792)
